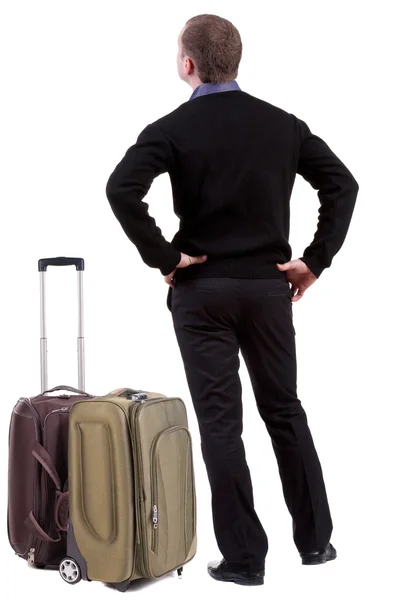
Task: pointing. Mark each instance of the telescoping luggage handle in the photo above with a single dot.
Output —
(61, 261)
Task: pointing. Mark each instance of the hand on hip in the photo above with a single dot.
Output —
(185, 261)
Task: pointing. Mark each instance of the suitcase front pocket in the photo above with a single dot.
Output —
(172, 498)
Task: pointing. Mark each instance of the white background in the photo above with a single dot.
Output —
(80, 80)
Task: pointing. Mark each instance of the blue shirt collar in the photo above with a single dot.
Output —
(211, 88)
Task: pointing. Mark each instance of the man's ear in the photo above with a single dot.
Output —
(190, 67)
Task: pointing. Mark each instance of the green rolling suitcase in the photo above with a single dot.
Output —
(132, 504)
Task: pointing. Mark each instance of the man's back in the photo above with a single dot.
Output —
(232, 160)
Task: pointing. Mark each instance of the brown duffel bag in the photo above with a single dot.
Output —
(38, 474)
(38, 454)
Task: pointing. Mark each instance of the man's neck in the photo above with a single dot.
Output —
(195, 83)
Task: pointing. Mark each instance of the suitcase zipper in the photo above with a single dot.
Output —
(139, 512)
(142, 535)
(31, 556)
(155, 528)
(57, 410)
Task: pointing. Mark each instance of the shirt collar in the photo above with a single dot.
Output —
(211, 88)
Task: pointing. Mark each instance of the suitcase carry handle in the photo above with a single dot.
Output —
(124, 392)
(60, 261)
(131, 394)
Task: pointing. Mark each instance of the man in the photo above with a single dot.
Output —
(232, 160)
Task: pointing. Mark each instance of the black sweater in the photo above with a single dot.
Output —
(232, 160)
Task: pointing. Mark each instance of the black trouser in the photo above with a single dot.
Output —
(214, 318)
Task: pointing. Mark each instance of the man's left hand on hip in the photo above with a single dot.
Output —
(185, 261)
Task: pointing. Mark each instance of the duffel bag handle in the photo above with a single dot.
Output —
(67, 388)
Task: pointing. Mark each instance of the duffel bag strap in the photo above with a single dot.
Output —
(44, 458)
(62, 511)
(32, 524)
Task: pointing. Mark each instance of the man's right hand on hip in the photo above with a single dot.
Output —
(299, 275)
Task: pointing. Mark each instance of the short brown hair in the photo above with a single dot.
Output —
(215, 46)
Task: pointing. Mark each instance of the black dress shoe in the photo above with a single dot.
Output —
(319, 557)
(219, 571)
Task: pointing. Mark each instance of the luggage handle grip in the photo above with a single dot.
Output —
(66, 388)
(43, 263)
(131, 394)
(124, 392)
(60, 261)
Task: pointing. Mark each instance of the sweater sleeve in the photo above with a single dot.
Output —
(127, 185)
(337, 193)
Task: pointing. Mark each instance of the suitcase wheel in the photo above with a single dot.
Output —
(70, 571)
(180, 572)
